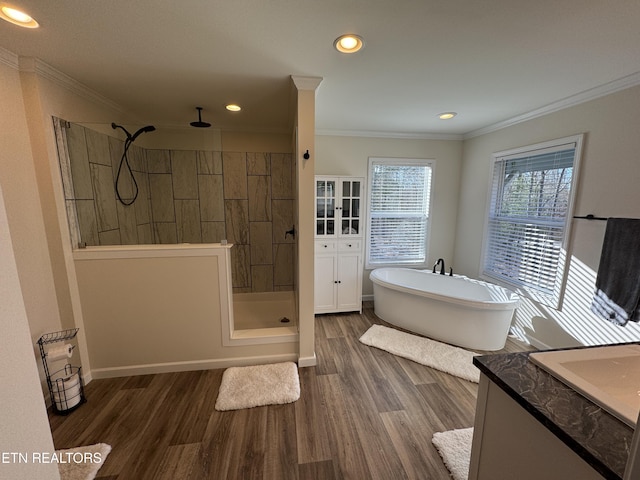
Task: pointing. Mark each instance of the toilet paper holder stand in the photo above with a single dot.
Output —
(67, 393)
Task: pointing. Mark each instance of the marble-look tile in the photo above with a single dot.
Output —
(234, 167)
(105, 201)
(184, 169)
(127, 223)
(137, 158)
(145, 234)
(283, 220)
(262, 278)
(121, 174)
(258, 164)
(165, 233)
(259, 198)
(261, 243)
(209, 163)
(212, 232)
(211, 198)
(283, 263)
(98, 147)
(159, 161)
(188, 221)
(240, 266)
(142, 204)
(282, 176)
(237, 221)
(161, 193)
(79, 163)
(87, 222)
(109, 237)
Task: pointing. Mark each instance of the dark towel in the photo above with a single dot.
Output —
(617, 296)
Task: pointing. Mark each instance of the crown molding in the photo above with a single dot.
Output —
(44, 70)
(8, 58)
(623, 83)
(398, 135)
(306, 83)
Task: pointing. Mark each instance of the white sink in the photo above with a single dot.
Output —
(608, 376)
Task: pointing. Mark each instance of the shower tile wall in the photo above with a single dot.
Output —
(188, 197)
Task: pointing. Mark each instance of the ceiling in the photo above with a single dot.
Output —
(488, 60)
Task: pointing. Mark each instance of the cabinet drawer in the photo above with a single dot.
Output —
(325, 246)
(349, 245)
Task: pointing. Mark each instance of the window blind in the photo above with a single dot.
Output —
(399, 212)
(531, 195)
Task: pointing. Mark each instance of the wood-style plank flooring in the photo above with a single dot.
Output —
(362, 414)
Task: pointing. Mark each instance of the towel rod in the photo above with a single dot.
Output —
(590, 216)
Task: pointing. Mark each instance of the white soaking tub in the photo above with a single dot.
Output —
(453, 309)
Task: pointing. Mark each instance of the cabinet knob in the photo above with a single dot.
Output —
(349, 245)
(325, 246)
(339, 281)
(335, 281)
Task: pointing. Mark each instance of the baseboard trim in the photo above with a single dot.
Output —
(308, 361)
(169, 367)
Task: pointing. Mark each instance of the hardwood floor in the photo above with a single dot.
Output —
(362, 414)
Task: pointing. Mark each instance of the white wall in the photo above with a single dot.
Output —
(337, 155)
(608, 187)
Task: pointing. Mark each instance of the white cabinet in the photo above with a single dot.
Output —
(338, 244)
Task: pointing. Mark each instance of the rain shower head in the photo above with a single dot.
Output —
(199, 123)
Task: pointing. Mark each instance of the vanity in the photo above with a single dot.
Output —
(529, 425)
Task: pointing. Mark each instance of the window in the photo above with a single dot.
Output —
(399, 197)
(532, 191)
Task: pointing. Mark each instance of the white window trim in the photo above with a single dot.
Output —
(557, 297)
(398, 161)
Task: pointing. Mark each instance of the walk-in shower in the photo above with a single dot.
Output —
(188, 195)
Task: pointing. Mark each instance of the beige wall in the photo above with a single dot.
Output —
(25, 427)
(19, 182)
(607, 187)
(338, 155)
(150, 309)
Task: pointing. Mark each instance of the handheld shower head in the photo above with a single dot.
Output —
(148, 128)
(131, 138)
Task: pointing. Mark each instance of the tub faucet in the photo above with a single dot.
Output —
(441, 263)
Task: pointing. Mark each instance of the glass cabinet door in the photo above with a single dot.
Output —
(325, 207)
(350, 208)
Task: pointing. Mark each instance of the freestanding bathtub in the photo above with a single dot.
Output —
(456, 310)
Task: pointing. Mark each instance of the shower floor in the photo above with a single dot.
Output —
(264, 310)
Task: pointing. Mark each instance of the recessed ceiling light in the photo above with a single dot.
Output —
(16, 16)
(232, 107)
(349, 43)
(447, 115)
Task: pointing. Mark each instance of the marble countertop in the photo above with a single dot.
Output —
(598, 437)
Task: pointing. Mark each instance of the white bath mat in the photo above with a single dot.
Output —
(446, 358)
(246, 387)
(82, 463)
(454, 447)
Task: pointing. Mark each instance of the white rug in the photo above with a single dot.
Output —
(454, 447)
(246, 387)
(453, 360)
(82, 463)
